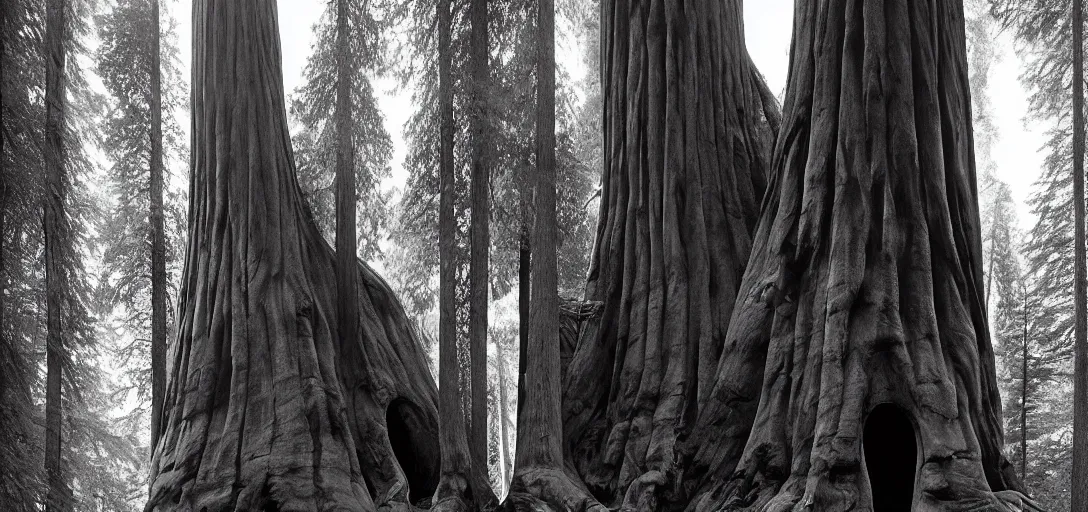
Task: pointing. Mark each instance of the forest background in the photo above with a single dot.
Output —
(1022, 153)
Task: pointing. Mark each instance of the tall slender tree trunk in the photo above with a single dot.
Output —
(267, 406)
(1079, 494)
(860, 337)
(158, 237)
(524, 297)
(1024, 389)
(55, 229)
(480, 236)
(687, 139)
(347, 288)
(539, 477)
(463, 484)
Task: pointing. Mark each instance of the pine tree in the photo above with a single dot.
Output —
(1044, 29)
(21, 114)
(142, 139)
(316, 142)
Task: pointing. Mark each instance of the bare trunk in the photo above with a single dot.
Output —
(347, 288)
(862, 311)
(54, 225)
(158, 239)
(539, 479)
(480, 235)
(1079, 487)
(687, 133)
(463, 485)
(267, 406)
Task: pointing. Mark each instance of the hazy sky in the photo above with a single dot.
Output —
(768, 29)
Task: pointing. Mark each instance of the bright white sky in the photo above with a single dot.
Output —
(767, 30)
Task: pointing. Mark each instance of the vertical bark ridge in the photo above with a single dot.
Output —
(686, 151)
(266, 406)
(867, 271)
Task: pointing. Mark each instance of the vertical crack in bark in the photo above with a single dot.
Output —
(687, 144)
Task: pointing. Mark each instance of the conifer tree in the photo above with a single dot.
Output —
(143, 225)
(317, 141)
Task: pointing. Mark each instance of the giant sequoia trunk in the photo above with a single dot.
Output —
(858, 371)
(687, 145)
(267, 407)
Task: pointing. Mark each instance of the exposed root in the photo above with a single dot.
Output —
(452, 494)
(641, 495)
(548, 490)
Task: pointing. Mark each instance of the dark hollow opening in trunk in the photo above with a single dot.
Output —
(415, 444)
(891, 455)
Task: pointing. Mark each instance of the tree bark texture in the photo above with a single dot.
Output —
(480, 236)
(158, 237)
(1079, 487)
(55, 229)
(463, 485)
(540, 481)
(267, 406)
(347, 287)
(865, 283)
(687, 146)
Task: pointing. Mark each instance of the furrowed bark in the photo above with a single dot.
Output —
(687, 134)
(55, 229)
(463, 485)
(158, 237)
(1079, 487)
(267, 405)
(540, 482)
(480, 235)
(865, 287)
(504, 414)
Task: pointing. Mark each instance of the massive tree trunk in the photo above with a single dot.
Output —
(480, 236)
(267, 406)
(158, 237)
(858, 370)
(55, 228)
(1079, 487)
(464, 484)
(687, 142)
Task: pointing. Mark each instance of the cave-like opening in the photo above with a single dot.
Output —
(415, 444)
(891, 458)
